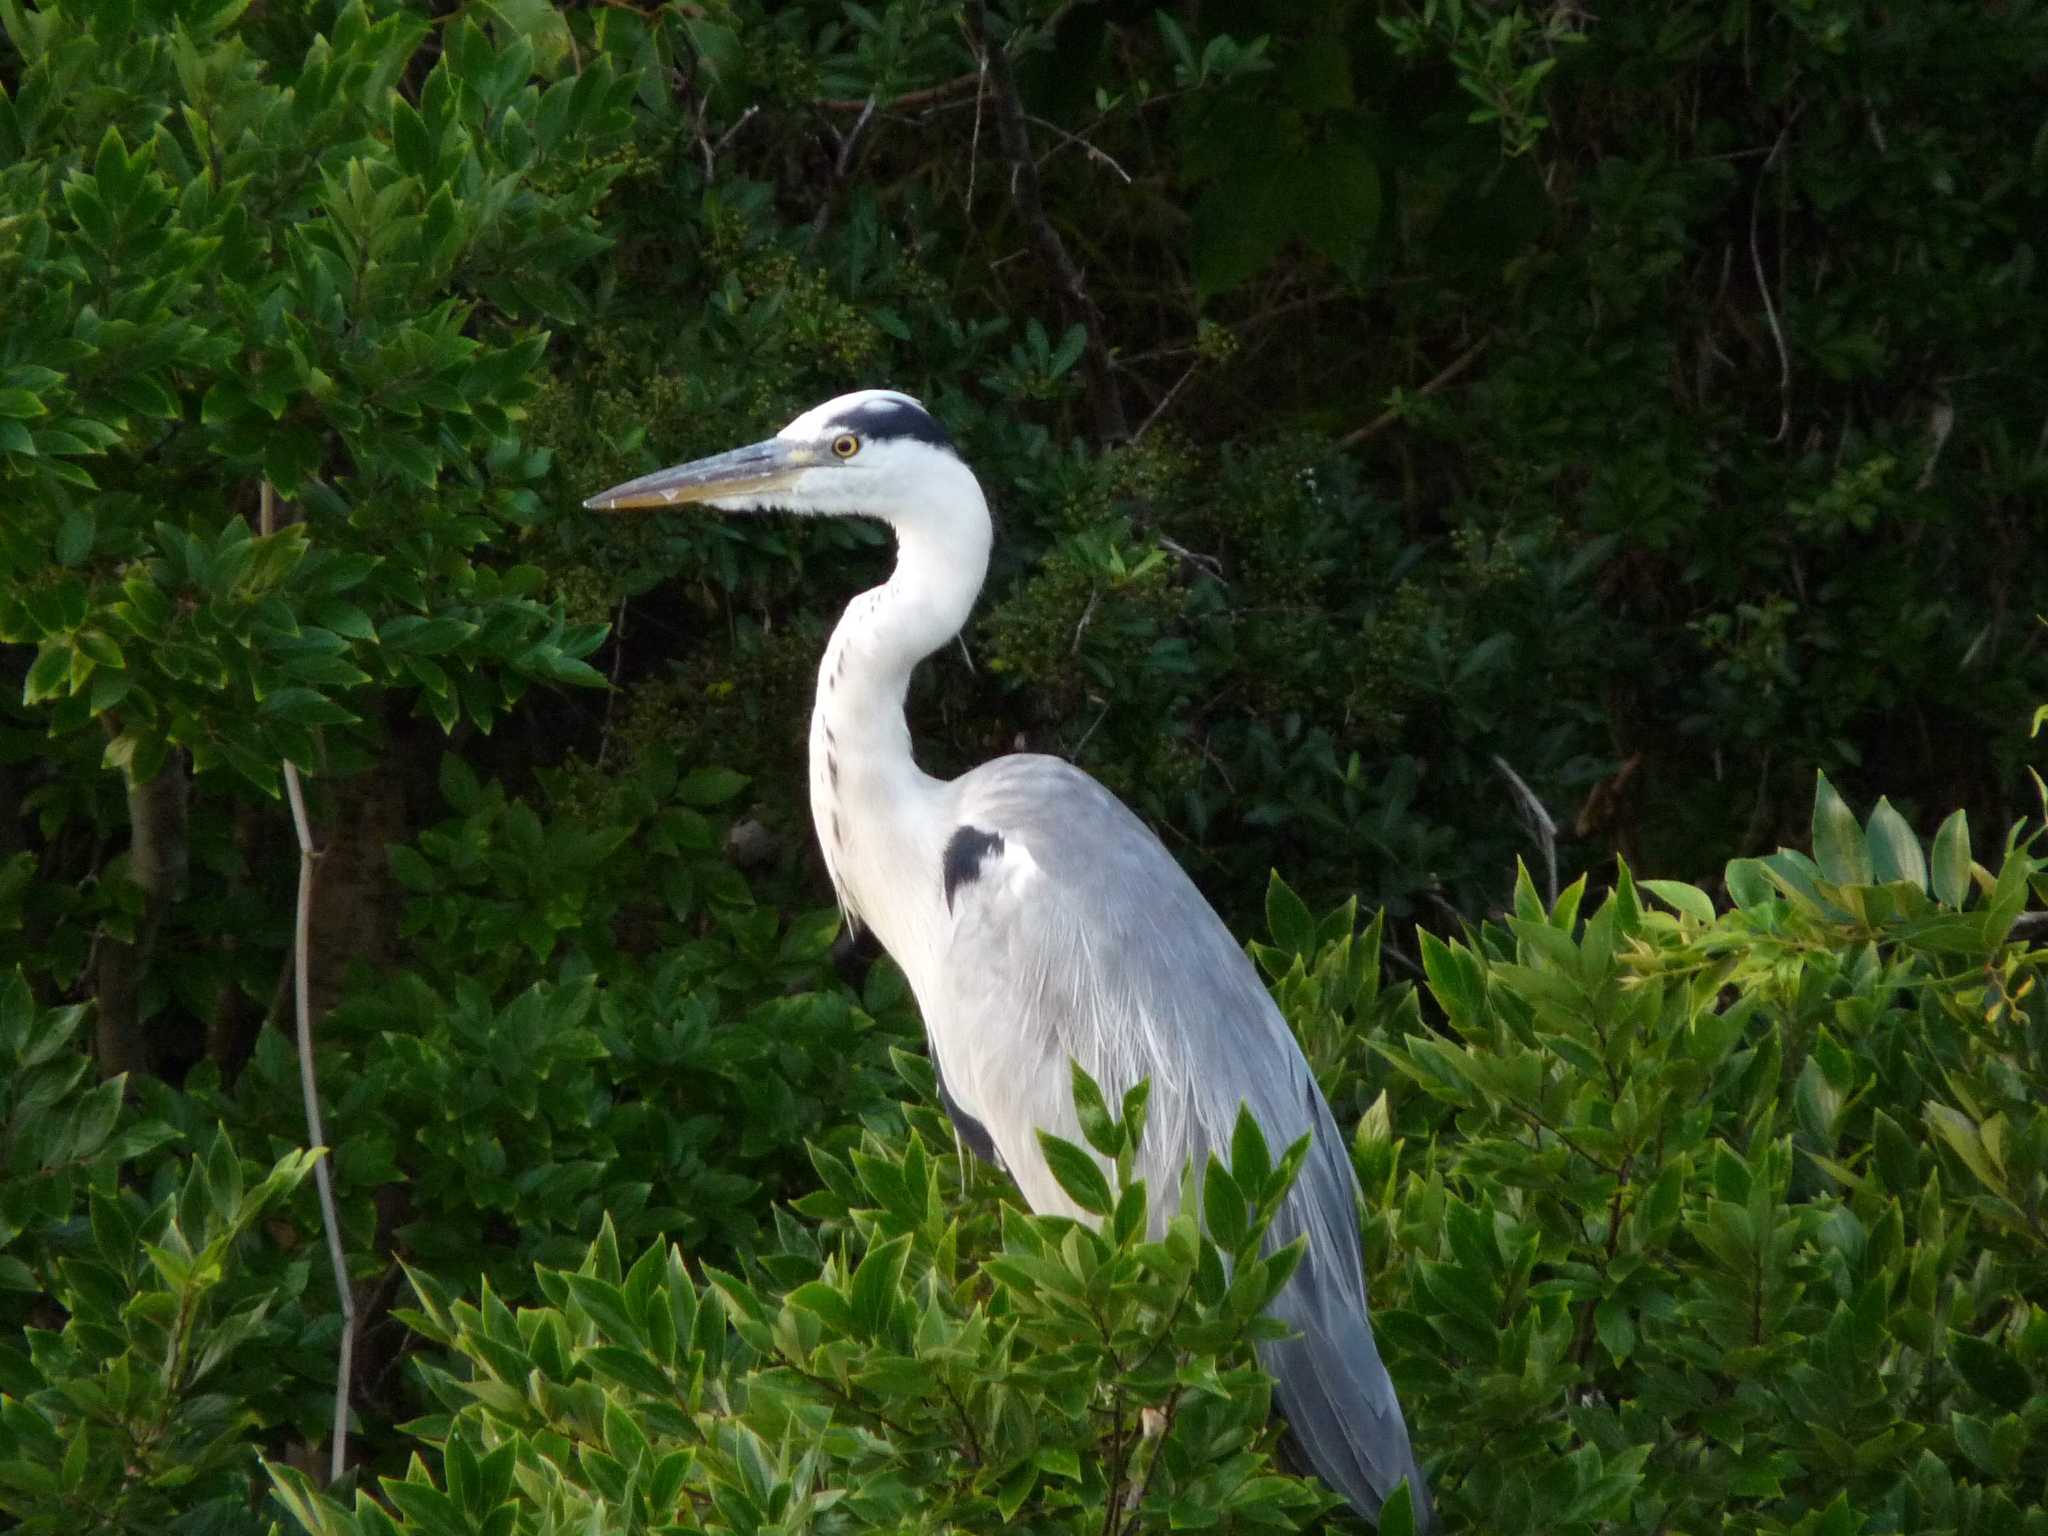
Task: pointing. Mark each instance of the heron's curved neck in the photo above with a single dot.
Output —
(869, 799)
(887, 631)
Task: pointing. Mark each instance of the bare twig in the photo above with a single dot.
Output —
(604, 735)
(1392, 414)
(1538, 822)
(1015, 135)
(1165, 400)
(302, 943)
(1763, 287)
(974, 143)
(1941, 421)
(927, 95)
(1101, 715)
(705, 147)
(726, 137)
(1087, 614)
(840, 166)
(852, 137)
(704, 141)
(907, 101)
(1207, 563)
(1101, 157)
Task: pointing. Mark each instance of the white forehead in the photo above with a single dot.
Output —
(842, 409)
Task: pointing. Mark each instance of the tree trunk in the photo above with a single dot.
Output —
(158, 851)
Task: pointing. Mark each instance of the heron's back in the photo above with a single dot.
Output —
(1075, 935)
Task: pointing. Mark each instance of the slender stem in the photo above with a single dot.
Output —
(1113, 1504)
(1152, 1464)
(1068, 281)
(1392, 414)
(302, 944)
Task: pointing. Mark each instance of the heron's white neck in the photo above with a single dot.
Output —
(874, 808)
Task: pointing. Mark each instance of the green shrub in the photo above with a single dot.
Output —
(1677, 1219)
(1748, 1203)
(1485, 414)
(145, 1320)
(918, 1357)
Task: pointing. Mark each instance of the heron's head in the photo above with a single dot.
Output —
(873, 453)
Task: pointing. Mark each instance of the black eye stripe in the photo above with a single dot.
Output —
(895, 418)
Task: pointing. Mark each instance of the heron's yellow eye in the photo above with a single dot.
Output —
(846, 445)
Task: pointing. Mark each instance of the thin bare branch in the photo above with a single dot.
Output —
(1015, 136)
(842, 163)
(1392, 414)
(908, 101)
(974, 143)
(302, 944)
(1165, 400)
(1101, 157)
(726, 137)
(1763, 288)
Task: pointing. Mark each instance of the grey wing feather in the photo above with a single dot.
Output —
(1076, 936)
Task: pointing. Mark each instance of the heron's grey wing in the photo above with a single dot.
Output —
(1074, 935)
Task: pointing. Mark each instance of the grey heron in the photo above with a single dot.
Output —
(1039, 921)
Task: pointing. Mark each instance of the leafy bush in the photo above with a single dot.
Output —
(1426, 406)
(1677, 1219)
(891, 1366)
(148, 1344)
(1742, 1207)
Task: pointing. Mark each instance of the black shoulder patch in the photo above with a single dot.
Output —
(896, 418)
(966, 850)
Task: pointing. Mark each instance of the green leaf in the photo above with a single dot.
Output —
(1335, 198)
(1687, 900)
(1240, 224)
(1397, 1514)
(1287, 918)
(75, 534)
(710, 786)
(49, 674)
(1991, 1371)
(1898, 1161)
(1951, 871)
(1749, 886)
(1966, 1139)
(1097, 1128)
(872, 1295)
(101, 647)
(1616, 1328)
(1895, 852)
(1251, 1163)
(1077, 1173)
(1223, 1207)
(412, 635)
(1838, 845)
(304, 706)
(413, 871)
(1454, 979)
(459, 786)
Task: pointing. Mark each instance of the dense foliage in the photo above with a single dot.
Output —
(1422, 434)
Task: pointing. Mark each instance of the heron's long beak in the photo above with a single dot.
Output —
(760, 470)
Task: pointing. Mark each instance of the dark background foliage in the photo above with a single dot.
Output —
(1421, 435)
